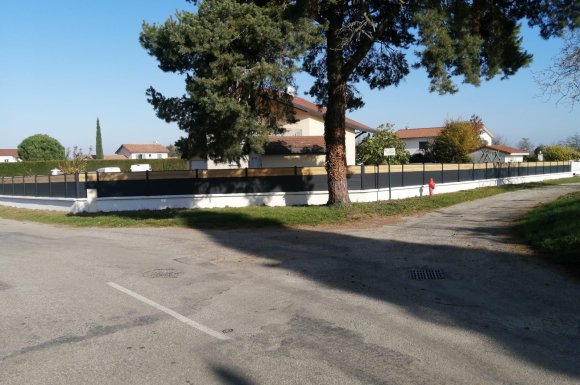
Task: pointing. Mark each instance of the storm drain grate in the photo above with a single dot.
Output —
(426, 274)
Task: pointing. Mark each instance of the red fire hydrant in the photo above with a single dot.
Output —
(431, 186)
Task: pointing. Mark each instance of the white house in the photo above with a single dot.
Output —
(8, 156)
(416, 139)
(497, 153)
(302, 144)
(143, 151)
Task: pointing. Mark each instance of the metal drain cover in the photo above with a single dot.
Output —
(162, 273)
(426, 274)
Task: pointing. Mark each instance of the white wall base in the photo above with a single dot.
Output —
(93, 204)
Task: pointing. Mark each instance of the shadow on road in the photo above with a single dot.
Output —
(531, 311)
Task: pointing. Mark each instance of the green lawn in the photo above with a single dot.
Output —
(554, 230)
(256, 217)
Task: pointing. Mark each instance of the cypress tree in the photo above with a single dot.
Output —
(99, 146)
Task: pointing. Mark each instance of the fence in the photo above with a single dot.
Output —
(236, 181)
(52, 186)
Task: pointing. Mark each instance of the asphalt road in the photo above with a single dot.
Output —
(299, 306)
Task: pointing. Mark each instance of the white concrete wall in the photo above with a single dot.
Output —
(94, 204)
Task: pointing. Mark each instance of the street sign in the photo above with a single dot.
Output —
(389, 151)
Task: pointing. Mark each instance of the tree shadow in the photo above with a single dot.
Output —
(528, 309)
(230, 377)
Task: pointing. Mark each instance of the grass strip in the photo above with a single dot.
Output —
(256, 217)
(553, 229)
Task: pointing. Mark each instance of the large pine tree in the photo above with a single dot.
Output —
(238, 54)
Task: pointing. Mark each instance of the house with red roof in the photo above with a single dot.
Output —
(416, 139)
(143, 151)
(8, 155)
(302, 144)
(498, 153)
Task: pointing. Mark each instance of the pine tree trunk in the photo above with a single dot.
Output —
(334, 120)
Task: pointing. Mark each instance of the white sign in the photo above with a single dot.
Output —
(389, 151)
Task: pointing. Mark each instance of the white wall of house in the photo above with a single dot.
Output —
(298, 160)
(412, 145)
(503, 157)
(486, 138)
(8, 159)
(200, 164)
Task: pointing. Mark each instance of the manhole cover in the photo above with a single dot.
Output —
(162, 273)
(426, 274)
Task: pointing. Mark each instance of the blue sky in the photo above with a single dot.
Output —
(64, 63)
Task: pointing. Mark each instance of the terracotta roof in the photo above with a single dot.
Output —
(305, 105)
(144, 148)
(9, 152)
(295, 145)
(114, 157)
(413, 133)
(505, 149)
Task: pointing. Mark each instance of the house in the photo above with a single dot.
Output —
(416, 139)
(8, 156)
(497, 153)
(143, 151)
(302, 144)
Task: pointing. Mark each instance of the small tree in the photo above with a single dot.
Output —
(525, 144)
(371, 150)
(99, 147)
(75, 161)
(40, 147)
(457, 140)
(173, 151)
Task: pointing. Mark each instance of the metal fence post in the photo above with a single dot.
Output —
(35, 186)
(147, 187)
(389, 171)
(65, 187)
(23, 186)
(49, 186)
(423, 182)
(472, 171)
(402, 175)
(77, 187)
(362, 176)
(458, 172)
(485, 170)
(442, 174)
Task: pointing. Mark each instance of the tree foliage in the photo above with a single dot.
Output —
(457, 140)
(573, 141)
(371, 150)
(40, 147)
(75, 161)
(239, 55)
(562, 78)
(99, 143)
(558, 153)
(238, 58)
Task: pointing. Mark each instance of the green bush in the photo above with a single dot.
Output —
(43, 168)
(558, 153)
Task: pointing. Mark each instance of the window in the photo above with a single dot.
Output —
(423, 145)
(139, 156)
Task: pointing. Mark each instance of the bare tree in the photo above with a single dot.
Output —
(562, 78)
(525, 144)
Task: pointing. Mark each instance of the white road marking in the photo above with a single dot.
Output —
(172, 313)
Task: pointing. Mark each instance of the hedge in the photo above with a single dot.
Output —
(43, 168)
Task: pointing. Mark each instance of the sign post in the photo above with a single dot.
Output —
(388, 152)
